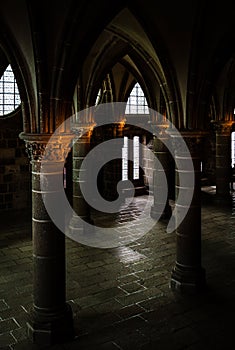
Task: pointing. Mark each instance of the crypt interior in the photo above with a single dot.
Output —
(154, 82)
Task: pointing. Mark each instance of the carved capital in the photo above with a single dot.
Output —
(35, 150)
(52, 148)
(222, 127)
(160, 128)
(81, 130)
(188, 141)
(57, 150)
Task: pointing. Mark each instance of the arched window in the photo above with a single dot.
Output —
(136, 158)
(9, 93)
(137, 103)
(98, 98)
(233, 148)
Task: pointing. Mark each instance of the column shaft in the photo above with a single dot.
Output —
(112, 171)
(80, 150)
(51, 317)
(80, 206)
(162, 154)
(223, 160)
(188, 275)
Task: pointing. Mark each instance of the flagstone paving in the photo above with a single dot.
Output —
(120, 296)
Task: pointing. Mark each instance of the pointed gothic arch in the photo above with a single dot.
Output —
(137, 103)
(9, 93)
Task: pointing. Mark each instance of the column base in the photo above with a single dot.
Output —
(188, 280)
(225, 199)
(51, 329)
(165, 215)
(78, 227)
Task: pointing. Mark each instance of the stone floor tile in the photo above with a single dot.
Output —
(6, 339)
(3, 305)
(132, 287)
(121, 297)
(131, 310)
(130, 340)
(8, 325)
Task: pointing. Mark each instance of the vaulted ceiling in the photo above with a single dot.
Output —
(181, 50)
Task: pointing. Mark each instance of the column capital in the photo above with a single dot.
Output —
(189, 134)
(160, 128)
(193, 140)
(80, 129)
(222, 127)
(56, 146)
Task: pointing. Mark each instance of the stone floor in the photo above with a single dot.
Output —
(120, 296)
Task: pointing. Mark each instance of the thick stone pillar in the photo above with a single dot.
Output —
(188, 275)
(223, 159)
(80, 149)
(161, 151)
(51, 317)
(112, 171)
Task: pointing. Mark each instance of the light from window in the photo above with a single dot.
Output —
(125, 159)
(137, 103)
(136, 157)
(98, 97)
(9, 93)
(233, 147)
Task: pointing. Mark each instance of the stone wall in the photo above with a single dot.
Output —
(14, 166)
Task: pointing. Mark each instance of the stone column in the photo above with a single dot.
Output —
(51, 317)
(161, 151)
(188, 275)
(112, 171)
(80, 149)
(223, 159)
